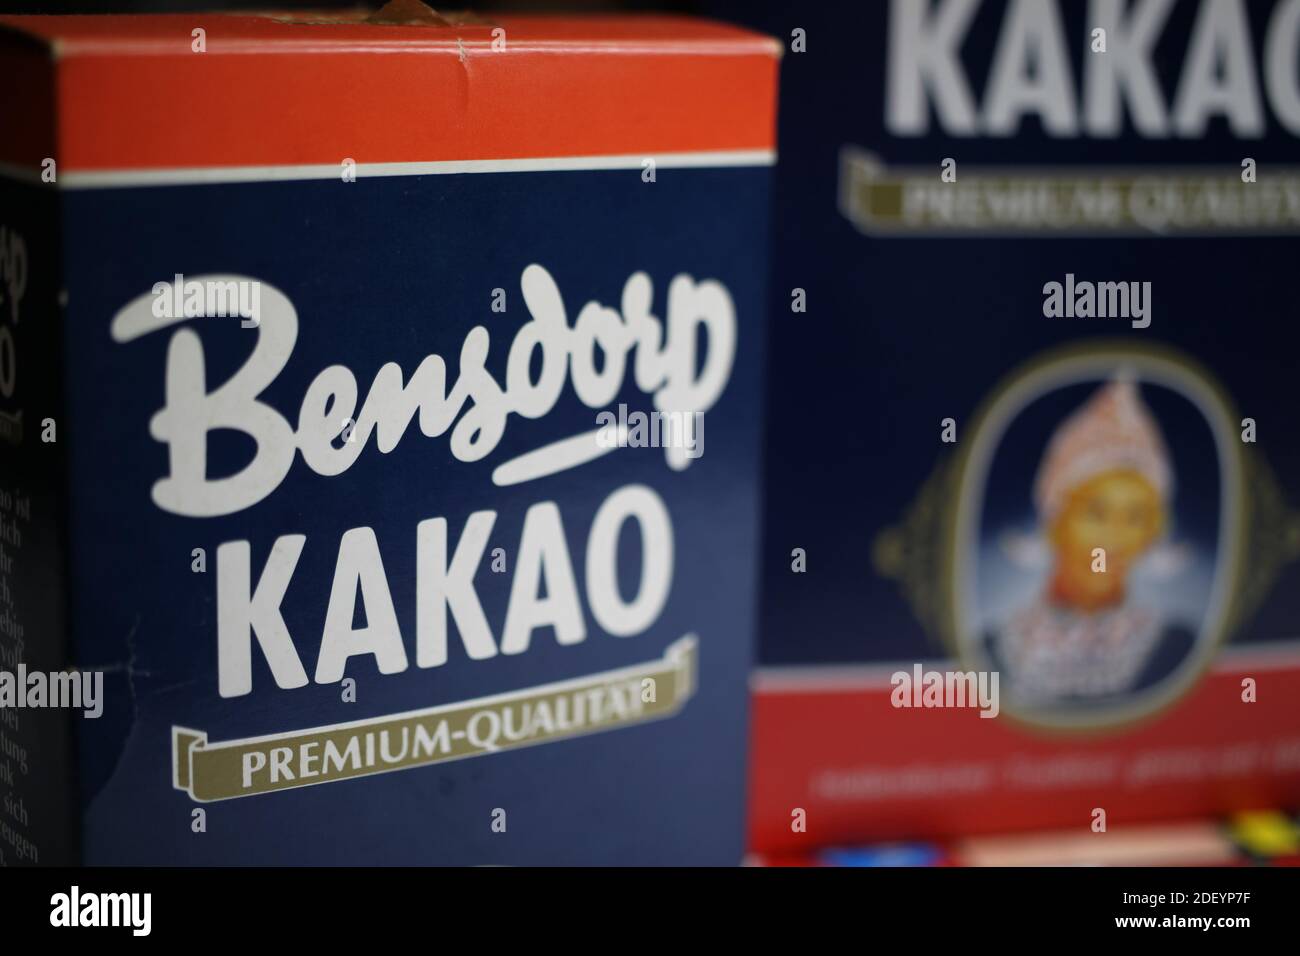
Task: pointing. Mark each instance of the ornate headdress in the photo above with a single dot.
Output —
(1113, 429)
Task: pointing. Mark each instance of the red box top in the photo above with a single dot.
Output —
(152, 93)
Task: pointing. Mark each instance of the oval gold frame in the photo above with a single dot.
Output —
(1062, 367)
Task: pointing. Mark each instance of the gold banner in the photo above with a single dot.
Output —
(240, 768)
(1082, 200)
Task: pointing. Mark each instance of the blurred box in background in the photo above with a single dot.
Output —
(1032, 417)
(332, 356)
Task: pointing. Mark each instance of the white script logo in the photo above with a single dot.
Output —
(663, 357)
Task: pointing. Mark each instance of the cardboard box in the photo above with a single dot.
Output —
(331, 350)
(1033, 417)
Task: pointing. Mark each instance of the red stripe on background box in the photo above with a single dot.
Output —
(864, 771)
(133, 95)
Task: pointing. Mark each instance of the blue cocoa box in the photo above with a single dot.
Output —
(1031, 544)
(379, 407)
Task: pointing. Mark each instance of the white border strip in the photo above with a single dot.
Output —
(815, 678)
(116, 178)
(1273, 655)
(824, 678)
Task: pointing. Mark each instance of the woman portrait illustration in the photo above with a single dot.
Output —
(1091, 578)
